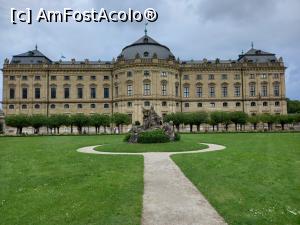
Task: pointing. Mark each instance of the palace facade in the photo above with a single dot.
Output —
(145, 73)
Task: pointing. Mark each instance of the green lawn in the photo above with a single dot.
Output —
(255, 180)
(183, 145)
(43, 180)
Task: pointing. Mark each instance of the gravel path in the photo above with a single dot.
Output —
(169, 197)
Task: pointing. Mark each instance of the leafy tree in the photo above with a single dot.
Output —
(282, 120)
(225, 119)
(238, 118)
(55, 121)
(120, 119)
(37, 121)
(98, 120)
(200, 118)
(80, 121)
(293, 106)
(215, 119)
(269, 119)
(177, 118)
(17, 121)
(254, 120)
(189, 119)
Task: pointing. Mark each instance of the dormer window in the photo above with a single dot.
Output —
(145, 40)
(146, 54)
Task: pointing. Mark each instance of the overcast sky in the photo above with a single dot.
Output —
(191, 29)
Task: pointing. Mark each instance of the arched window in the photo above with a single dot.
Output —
(237, 104)
(36, 106)
(186, 105)
(106, 105)
(265, 103)
(52, 106)
(199, 104)
(253, 104)
(66, 106)
(11, 106)
(225, 104)
(93, 106)
(277, 103)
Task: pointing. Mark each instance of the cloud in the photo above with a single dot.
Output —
(192, 29)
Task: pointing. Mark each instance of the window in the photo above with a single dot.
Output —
(53, 92)
(237, 91)
(264, 90)
(276, 75)
(66, 106)
(212, 91)
(176, 76)
(225, 104)
(106, 105)
(252, 90)
(11, 93)
(79, 77)
(79, 92)
(129, 104)
(116, 76)
(277, 103)
(12, 77)
(146, 103)
(36, 106)
(37, 92)
(24, 93)
(106, 92)
(237, 76)
(79, 106)
(93, 77)
(186, 77)
(146, 73)
(37, 77)
(199, 91)
(129, 89)
(186, 105)
(67, 92)
(146, 54)
(224, 76)
(66, 77)
(176, 90)
(163, 74)
(199, 104)
(212, 105)
(24, 77)
(199, 77)
(252, 76)
(263, 76)
(116, 104)
(276, 90)
(211, 77)
(93, 92)
(237, 104)
(164, 89)
(147, 89)
(24, 106)
(106, 77)
(224, 91)
(52, 106)
(11, 106)
(186, 92)
(53, 77)
(116, 91)
(93, 106)
(265, 103)
(177, 104)
(164, 103)
(253, 104)
(129, 74)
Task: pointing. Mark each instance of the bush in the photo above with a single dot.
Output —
(127, 137)
(153, 136)
(177, 137)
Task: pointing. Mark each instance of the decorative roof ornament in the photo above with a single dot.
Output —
(252, 45)
(146, 24)
(36, 47)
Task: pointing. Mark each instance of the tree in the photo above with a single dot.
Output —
(98, 120)
(282, 120)
(200, 118)
(254, 120)
(189, 119)
(238, 118)
(269, 119)
(177, 118)
(55, 121)
(37, 121)
(225, 119)
(121, 119)
(216, 119)
(293, 106)
(17, 121)
(80, 120)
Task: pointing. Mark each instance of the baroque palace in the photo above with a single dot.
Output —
(145, 73)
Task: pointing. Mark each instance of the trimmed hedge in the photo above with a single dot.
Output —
(153, 136)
